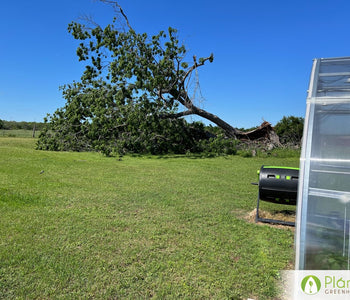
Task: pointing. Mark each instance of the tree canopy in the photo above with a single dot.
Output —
(132, 95)
(290, 129)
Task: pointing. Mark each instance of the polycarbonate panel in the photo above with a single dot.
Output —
(333, 78)
(331, 132)
(327, 233)
(323, 212)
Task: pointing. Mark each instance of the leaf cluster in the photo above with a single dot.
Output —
(132, 60)
(219, 145)
(290, 129)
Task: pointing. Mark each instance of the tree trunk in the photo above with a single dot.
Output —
(33, 131)
(185, 100)
(229, 130)
(264, 132)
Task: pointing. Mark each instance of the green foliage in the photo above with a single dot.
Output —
(1, 124)
(214, 130)
(290, 129)
(126, 99)
(219, 145)
(98, 119)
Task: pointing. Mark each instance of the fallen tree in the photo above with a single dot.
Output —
(128, 73)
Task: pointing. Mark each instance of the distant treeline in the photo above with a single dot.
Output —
(10, 125)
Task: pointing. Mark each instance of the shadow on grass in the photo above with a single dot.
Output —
(182, 156)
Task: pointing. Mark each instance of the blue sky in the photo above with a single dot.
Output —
(263, 51)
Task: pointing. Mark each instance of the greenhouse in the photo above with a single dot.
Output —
(323, 211)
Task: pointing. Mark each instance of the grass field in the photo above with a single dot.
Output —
(23, 133)
(84, 226)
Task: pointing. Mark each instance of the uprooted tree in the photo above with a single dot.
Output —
(132, 95)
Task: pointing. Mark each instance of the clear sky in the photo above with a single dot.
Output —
(263, 51)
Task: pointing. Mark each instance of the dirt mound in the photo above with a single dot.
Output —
(284, 215)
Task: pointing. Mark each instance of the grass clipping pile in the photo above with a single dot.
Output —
(283, 215)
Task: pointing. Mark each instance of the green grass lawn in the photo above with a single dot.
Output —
(84, 226)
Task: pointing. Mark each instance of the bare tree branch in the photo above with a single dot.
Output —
(196, 65)
(177, 115)
(89, 20)
(118, 9)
